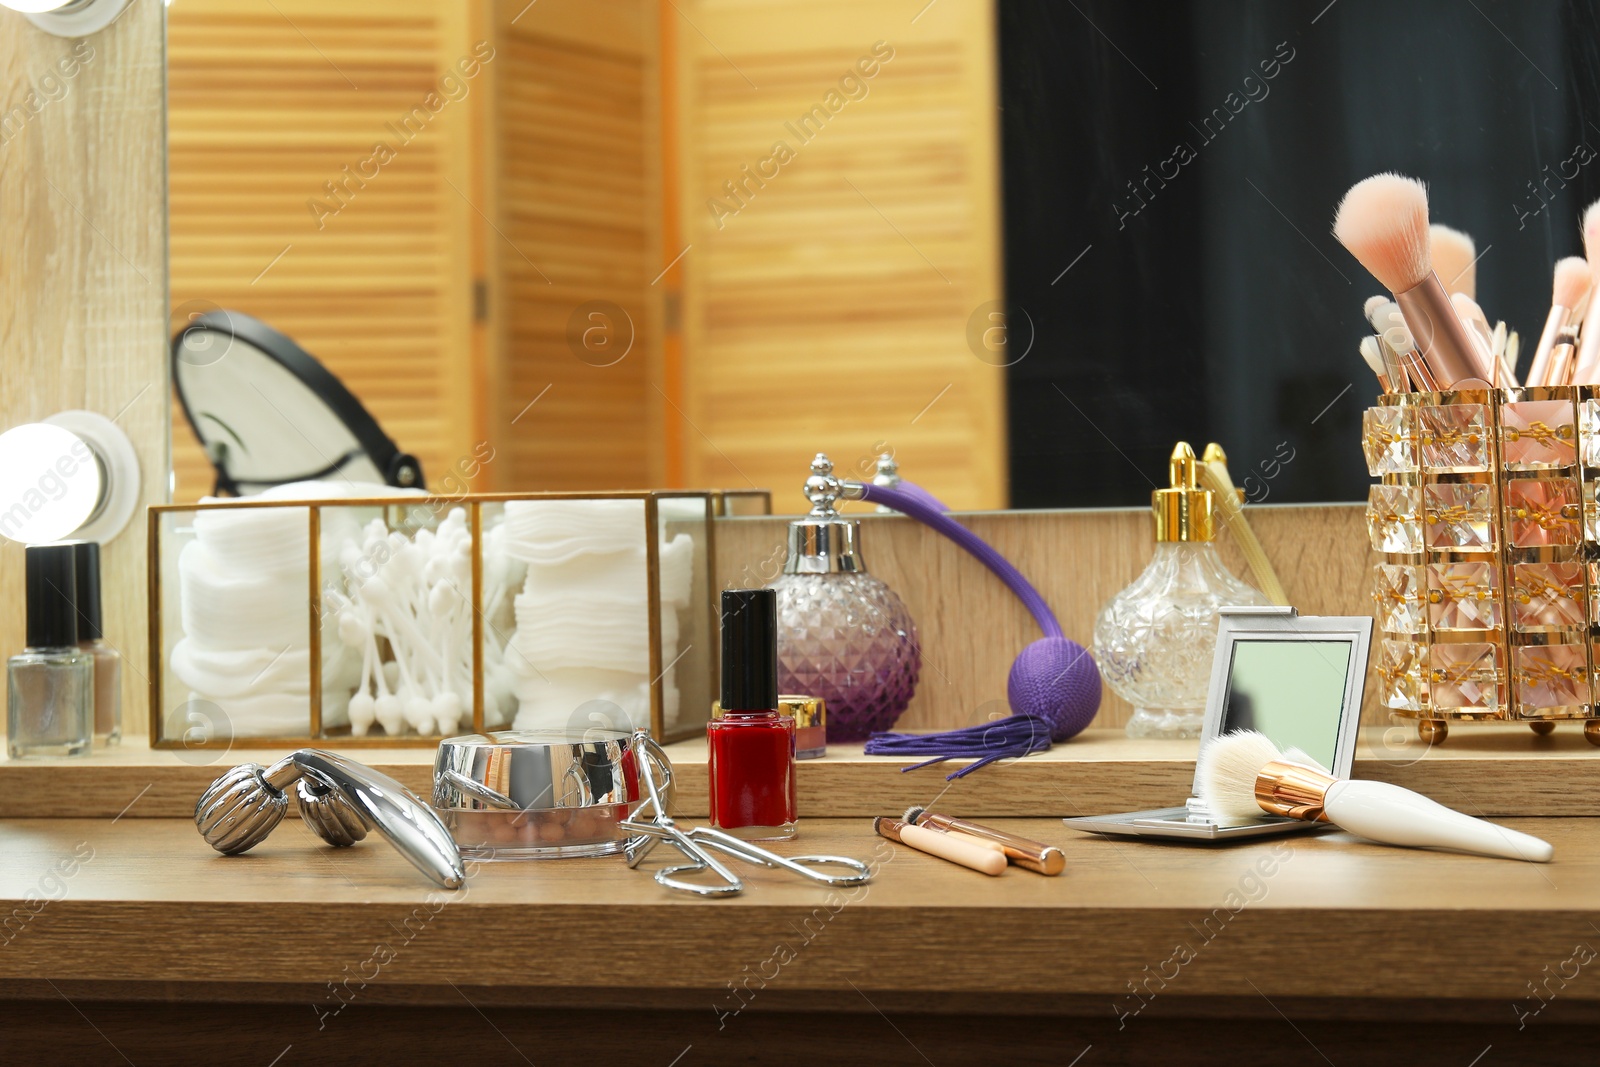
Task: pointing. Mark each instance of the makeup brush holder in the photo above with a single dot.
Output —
(395, 621)
(1488, 596)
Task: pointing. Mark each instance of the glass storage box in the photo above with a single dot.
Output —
(397, 620)
(1484, 516)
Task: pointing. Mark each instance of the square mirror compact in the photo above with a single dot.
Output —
(1297, 680)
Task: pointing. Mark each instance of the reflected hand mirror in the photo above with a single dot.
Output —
(267, 412)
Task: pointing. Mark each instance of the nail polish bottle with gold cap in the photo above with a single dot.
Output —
(1154, 640)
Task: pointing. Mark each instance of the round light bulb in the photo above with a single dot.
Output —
(49, 483)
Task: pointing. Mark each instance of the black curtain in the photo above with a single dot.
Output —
(1170, 173)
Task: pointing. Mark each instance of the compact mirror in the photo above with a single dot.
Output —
(1292, 691)
(268, 413)
(1296, 678)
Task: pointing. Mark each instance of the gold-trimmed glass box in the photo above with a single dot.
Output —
(394, 620)
(1484, 516)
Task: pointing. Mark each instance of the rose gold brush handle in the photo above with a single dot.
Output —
(1539, 369)
(1586, 370)
(1563, 356)
(1449, 351)
(1397, 339)
(1022, 851)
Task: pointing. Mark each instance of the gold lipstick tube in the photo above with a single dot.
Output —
(1449, 350)
(1020, 851)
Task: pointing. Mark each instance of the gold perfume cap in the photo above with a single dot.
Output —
(1183, 512)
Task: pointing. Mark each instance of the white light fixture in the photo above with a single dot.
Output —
(75, 475)
(69, 18)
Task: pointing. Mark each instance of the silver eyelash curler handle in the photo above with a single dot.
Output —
(340, 799)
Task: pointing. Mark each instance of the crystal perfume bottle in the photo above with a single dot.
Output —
(843, 635)
(1154, 641)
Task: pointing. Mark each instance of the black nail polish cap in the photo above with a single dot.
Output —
(749, 650)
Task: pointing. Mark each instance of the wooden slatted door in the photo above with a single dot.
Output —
(577, 243)
(832, 283)
(323, 179)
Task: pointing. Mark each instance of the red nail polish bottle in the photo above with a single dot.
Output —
(752, 745)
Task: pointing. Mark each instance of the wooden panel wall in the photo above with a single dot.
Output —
(827, 298)
(271, 101)
(83, 278)
(972, 627)
(576, 247)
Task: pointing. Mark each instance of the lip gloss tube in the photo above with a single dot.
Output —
(752, 746)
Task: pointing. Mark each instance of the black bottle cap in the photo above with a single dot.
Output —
(52, 575)
(86, 556)
(749, 650)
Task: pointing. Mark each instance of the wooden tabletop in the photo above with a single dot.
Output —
(1498, 769)
(1311, 915)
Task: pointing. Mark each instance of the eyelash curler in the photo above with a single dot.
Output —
(338, 798)
(650, 825)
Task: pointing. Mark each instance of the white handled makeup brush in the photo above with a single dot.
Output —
(1455, 260)
(1587, 371)
(1383, 313)
(1383, 221)
(1573, 280)
(1242, 774)
(1372, 356)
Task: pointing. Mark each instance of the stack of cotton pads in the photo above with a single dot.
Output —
(243, 583)
(583, 624)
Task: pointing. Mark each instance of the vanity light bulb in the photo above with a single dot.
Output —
(50, 483)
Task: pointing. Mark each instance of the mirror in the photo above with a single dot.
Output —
(1292, 691)
(1024, 247)
(267, 413)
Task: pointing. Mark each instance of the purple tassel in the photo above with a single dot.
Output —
(985, 742)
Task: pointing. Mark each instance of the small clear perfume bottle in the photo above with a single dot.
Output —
(107, 660)
(844, 636)
(50, 684)
(1154, 641)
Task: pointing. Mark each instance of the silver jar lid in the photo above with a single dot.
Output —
(537, 770)
(824, 542)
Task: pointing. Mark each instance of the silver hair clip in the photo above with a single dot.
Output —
(650, 825)
(338, 798)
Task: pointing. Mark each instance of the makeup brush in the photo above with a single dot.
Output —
(1562, 356)
(1372, 356)
(1020, 851)
(1573, 280)
(1587, 370)
(957, 848)
(1242, 774)
(1395, 367)
(1469, 312)
(1455, 260)
(1383, 221)
(1383, 313)
(1399, 341)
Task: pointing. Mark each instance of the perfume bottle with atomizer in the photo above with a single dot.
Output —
(843, 635)
(1154, 641)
